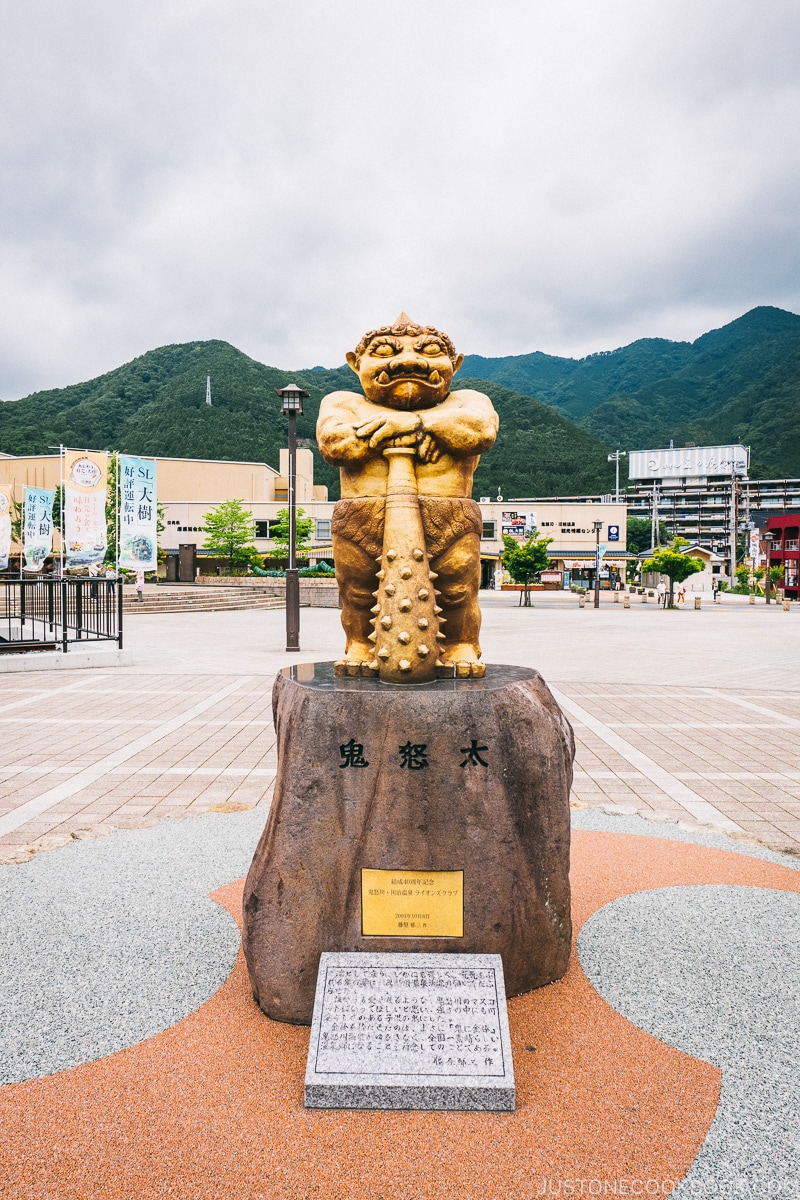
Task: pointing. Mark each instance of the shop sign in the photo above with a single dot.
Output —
(695, 461)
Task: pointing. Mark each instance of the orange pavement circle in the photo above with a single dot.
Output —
(213, 1107)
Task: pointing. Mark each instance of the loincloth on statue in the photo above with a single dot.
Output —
(445, 519)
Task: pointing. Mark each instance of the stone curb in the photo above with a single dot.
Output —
(20, 854)
(627, 810)
(12, 856)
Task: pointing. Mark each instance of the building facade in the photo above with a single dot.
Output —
(191, 488)
(785, 550)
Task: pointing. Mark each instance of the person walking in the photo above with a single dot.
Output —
(661, 591)
(139, 585)
(111, 579)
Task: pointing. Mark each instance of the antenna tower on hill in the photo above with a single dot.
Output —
(208, 390)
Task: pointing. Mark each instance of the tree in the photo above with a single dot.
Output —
(743, 577)
(230, 530)
(524, 561)
(640, 534)
(673, 563)
(279, 532)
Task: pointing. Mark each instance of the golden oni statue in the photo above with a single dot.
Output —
(406, 533)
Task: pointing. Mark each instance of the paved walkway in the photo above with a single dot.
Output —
(682, 715)
(664, 1062)
(138, 1065)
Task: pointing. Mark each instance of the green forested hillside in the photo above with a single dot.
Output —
(156, 405)
(558, 416)
(740, 384)
(537, 452)
(737, 383)
(576, 386)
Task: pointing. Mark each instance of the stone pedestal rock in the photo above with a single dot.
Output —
(352, 792)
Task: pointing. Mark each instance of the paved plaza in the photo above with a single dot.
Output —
(134, 1061)
(684, 715)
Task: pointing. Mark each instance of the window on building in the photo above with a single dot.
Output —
(489, 530)
(323, 531)
(262, 529)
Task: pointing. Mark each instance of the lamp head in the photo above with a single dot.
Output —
(292, 398)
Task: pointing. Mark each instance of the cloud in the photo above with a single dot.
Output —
(531, 176)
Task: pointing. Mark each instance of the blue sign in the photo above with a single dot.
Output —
(613, 533)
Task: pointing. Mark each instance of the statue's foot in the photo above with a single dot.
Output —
(359, 660)
(461, 661)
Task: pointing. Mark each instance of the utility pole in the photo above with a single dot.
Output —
(654, 535)
(734, 497)
(615, 457)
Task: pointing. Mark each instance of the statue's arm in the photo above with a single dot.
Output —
(466, 423)
(340, 414)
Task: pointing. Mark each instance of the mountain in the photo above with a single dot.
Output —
(576, 386)
(538, 452)
(558, 416)
(156, 405)
(740, 383)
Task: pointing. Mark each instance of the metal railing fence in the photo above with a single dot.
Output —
(49, 612)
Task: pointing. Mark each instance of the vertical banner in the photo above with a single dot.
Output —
(37, 527)
(5, 524)
(85, 531)
(138, 539)
(755, 548)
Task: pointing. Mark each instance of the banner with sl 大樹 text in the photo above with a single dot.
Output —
(5, 525)
(138, 537)
(85, 533)
(37, 527)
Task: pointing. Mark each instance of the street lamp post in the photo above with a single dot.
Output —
(598, 525)
(292, 404)
(768, 536)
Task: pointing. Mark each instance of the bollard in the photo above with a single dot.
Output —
(698, 603)
(616, 597)
(644, 597)
(752, 598)
(787, 606)
(581, 602)
(626, 601)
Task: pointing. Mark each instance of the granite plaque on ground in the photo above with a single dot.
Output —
(413, 1031)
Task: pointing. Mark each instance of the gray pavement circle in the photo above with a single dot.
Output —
(714, 970)
(105, 943)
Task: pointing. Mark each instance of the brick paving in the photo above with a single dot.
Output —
(748, 772)
(189, 726)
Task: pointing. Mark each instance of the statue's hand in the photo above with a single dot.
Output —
(396, 428)
(428, 450)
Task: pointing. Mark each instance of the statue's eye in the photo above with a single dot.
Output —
(431, 348)
(382, 350)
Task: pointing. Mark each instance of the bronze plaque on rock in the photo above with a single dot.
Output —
(412, 903)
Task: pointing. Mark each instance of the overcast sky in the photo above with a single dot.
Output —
(285, 174)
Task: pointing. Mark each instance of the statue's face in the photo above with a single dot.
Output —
(406, 371)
